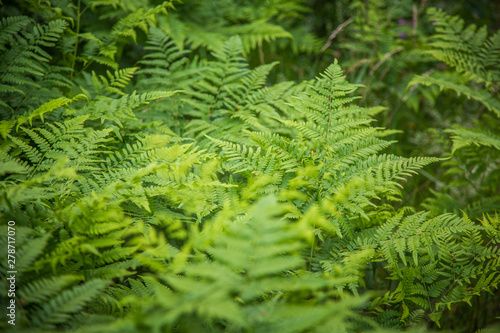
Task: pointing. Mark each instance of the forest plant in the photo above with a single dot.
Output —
(245, 275)
(333, 147)
(26, 78)
(473, 56)
(331, 161)
(61, 165)
(218, 203)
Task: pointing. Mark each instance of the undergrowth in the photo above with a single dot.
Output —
(162, 174)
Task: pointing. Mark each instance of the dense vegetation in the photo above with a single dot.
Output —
(250, 166)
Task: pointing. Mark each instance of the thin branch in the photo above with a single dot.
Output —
(335, 33)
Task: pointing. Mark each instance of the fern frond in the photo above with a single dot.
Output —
(463, 47)
(141, 19)
(121, 109)
(10, 26)
(61, 306)
(23, 65)
(42, 290)
(245, 271)
(165, 64)
(114, 82)
(463, 137)
(483, 96)
(471, 52)
(256, 33)
(335, 139)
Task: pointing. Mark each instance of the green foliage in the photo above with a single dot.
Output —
(220, 96)
(241, 279)
(258, 23)
(54, 298)
(164, 176)
(473, 57)
(26, 78)
(331, 156)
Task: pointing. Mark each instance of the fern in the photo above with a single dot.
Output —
(113, 83)
(463, 137)
(164, 65)
(47, 301)
(483, 96)
(474, 56)
(139, 18)
(257, 33)
(334, 142)
(467, 49)
(147, 195)
(432, 260)
(228, 21)
(26, 78)
(226, 88)
(333, 160)
(241, 97)
(245, 285)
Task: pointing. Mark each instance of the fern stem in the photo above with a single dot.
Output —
(85, 273)
(424, 285)
(219, 91)
(78, 17)
(84, 68)
(312, 249)
(261, 52)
